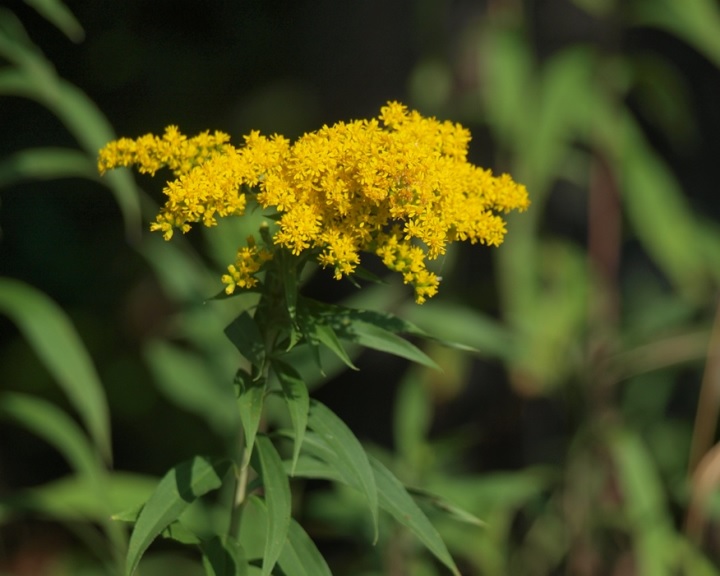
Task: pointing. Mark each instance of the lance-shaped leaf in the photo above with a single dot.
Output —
(300, 556)
(181, 486)
(244, 333)
(49, 331)
(251, 396)
(224, 557)
(349, 456)
(295, 394)
(277, 499)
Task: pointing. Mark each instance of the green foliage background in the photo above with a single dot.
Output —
(569, 444)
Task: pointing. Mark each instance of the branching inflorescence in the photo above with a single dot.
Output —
(398, 186)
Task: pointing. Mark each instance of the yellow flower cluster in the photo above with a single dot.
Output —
(399, 186)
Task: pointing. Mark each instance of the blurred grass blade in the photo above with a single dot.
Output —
(45, 164)
(396, 500)
(696, 22)
(71, 498)
(251, 396)
(295, 394)
(34, 77)
(643, 503)
(276, 497)
(300, 556)
(60, 16)
(181, 486)
(224, 558)
(55, 341)
(655, 204)
(350, 457)
(55, 427)
(186, 380)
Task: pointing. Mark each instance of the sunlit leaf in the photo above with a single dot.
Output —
(55, 341)
(182, 485)
(277, 499)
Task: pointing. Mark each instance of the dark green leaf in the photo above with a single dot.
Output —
(277, 498)
(372, 336)
(185, 378)
(395, 499)
(300, 556)
(223, 557)
(349, 455)
(295, 394)
(52, 336)
(245, 335)
(181, 486)
(251, 397)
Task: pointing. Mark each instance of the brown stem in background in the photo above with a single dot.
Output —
(604, 231)
(708, 407)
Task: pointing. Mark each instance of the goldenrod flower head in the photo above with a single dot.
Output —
(399, 186)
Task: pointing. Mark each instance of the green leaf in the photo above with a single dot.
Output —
(224, 557)
(455, 512)
(244, 333)
(46, 164)
(181, 486)
(50, 333)
(56, 428)
(392, 496)
(316, 330)
(185, 378)
(350, 458)
(300, 556)
(377, 338)
(59, 15)
(72, 498)
(277, 498)
(395, 499)
(251, 396)
(325, 334)
(694, 21)
(412, 419)
(295, 394)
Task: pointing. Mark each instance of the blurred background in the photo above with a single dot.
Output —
(581, 430)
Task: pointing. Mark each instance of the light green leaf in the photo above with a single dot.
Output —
(325, 334)
(182, 485)
(277, 498)
(412, 418)
(50, 333)
(455, 512)
(45, 164)
(224, 557)
(58, 14)
(251, 396)
(350, 457)
(186, 380)
(300, 556)
(244, 333)
(295, 394)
